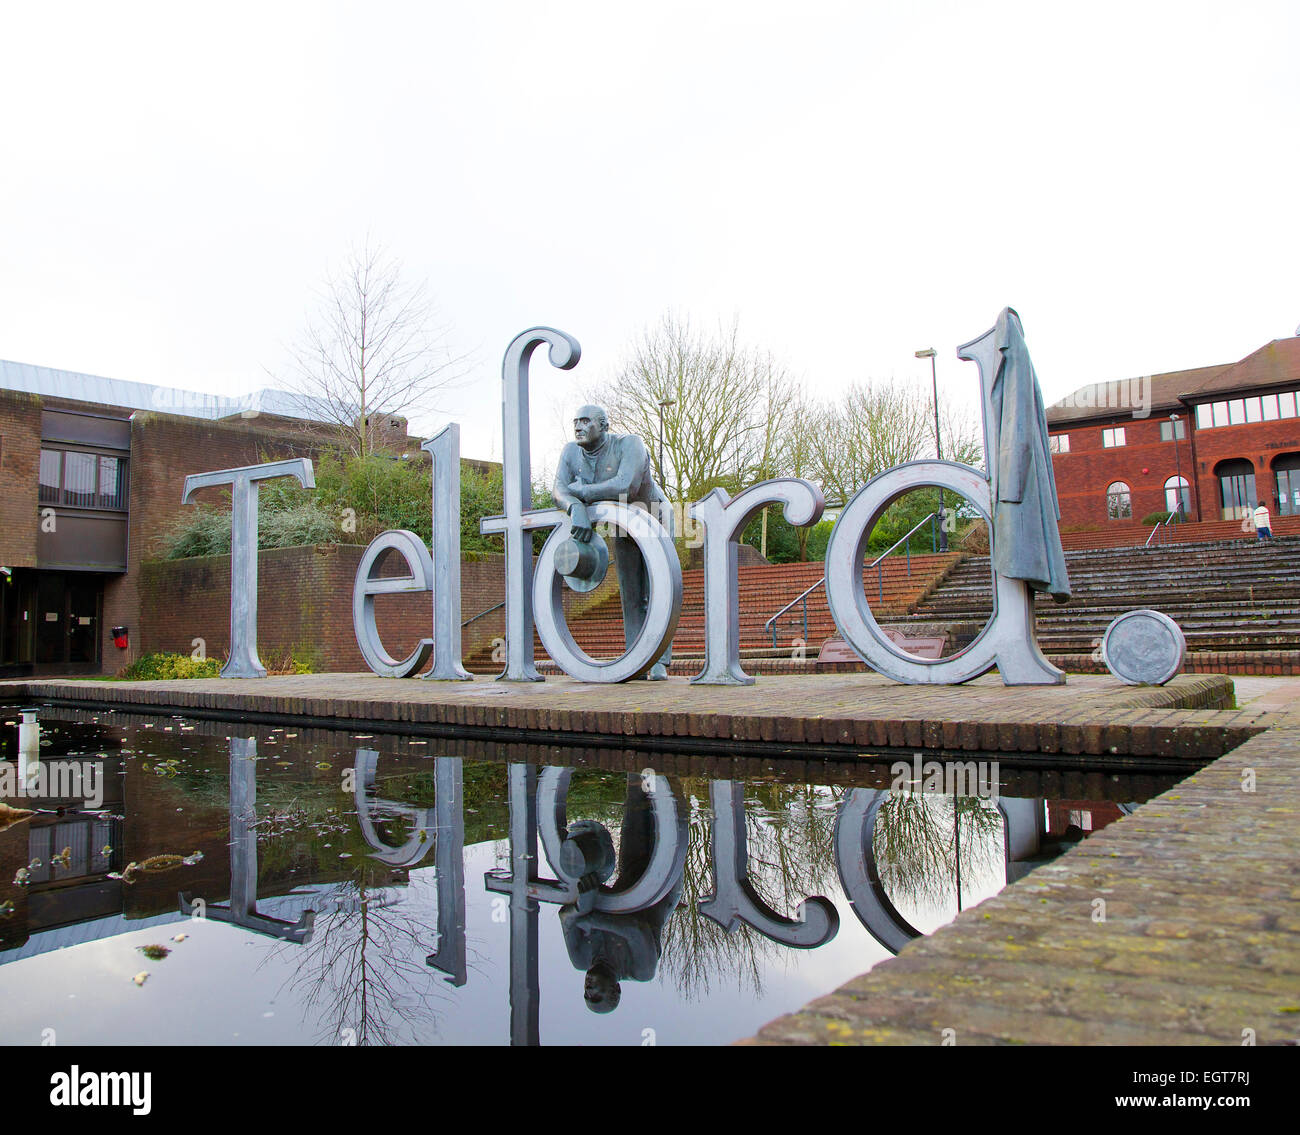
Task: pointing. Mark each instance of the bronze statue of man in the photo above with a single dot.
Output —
(602, 466)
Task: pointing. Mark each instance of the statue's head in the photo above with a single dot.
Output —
(600, 989)
(590, 424)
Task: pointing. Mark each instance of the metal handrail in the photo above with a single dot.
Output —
(880, 578)
(906, 535)
(475, 618)
(1168, 520)
(767, 626)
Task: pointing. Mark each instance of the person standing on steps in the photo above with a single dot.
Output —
(1263, 522)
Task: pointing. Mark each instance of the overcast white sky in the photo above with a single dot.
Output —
(852, 181)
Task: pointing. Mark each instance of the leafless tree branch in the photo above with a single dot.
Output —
(373, 348)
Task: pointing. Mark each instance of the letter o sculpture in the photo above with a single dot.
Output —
(664, 589)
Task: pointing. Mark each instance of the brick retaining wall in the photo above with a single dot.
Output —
(304, 604)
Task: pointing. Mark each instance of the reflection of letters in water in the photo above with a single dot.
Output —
(613, 941)
(617, 947)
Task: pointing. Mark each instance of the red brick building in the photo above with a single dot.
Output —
(1211, 442)
(91, 472)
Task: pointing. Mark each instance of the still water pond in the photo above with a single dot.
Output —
(237, 884)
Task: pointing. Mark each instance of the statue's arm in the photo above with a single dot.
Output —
(566, 477)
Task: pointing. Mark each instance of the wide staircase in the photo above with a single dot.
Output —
(1237, 602)
(894, 588)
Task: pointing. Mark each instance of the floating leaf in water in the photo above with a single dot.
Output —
(20, 879)
(10, 816)
(141, 977)
(154, 953)
(180, 937)
(323, 765)
(190, 860)
(106, 850)
(6, 908)
(161, 863)
(34, 864)
(63, 859)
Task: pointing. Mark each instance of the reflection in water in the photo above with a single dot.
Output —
(789, 837)
(352, 873)
(735, 900)
(362, 972)
(614, 946)
(242, 908)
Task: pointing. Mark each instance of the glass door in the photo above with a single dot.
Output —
(1287, 471)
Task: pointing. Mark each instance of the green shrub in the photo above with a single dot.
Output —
(352, 503)
(203, 532)
(162, 666)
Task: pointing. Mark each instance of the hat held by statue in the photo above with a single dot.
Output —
(582, 565)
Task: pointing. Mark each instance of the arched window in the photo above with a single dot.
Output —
(1286, 468)
(1178, 496)
(1236, 488)
(1119, 501)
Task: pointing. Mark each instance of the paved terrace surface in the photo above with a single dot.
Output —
(1177, 727)
(1200, 942)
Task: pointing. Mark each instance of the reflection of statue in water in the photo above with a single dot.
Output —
(614, 947)
(1026, 538)
(603, 466)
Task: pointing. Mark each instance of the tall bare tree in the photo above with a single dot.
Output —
(872, 427)
(724, 406)
(373, 349)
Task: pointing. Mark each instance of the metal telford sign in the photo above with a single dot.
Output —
(604, 484)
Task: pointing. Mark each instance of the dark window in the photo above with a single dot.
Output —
(76, 479)
(112, 483)
(79, 479)
(51, 476)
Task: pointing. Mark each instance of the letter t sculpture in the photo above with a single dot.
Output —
(243, 483)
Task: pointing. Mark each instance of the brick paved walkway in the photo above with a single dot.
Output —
(1179, 725)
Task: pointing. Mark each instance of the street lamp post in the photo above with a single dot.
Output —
(1178, 466)
(928, 353)
(663, 405)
